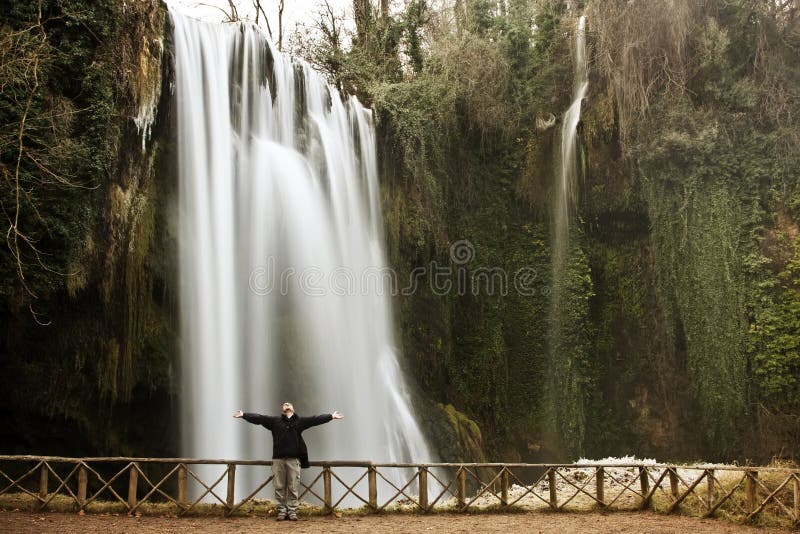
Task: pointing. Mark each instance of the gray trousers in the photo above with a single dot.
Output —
(286, 479)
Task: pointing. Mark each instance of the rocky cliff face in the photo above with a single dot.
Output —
(88, 319)
(679, 333)
(676, 337)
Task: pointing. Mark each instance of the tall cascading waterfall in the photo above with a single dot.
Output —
(282, 270)
(562, 386)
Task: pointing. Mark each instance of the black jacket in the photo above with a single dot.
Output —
(287, 438)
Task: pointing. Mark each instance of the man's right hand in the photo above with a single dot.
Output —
(238, 413)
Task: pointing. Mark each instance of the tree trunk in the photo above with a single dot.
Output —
(361, 14)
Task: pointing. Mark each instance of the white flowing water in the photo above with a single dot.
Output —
(283, 294)
(566, 188)
(561, 383)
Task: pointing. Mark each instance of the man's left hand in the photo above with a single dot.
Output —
(337, 415)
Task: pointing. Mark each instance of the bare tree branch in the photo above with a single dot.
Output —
(43, 120)
(260, 11)
(13, 234)
(234, 15)
(280, 24)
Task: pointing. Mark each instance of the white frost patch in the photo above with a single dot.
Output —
(575, 485)
(624, 460)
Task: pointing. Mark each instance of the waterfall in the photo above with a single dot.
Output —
(564, 396)
(283, 286)
(566, 188)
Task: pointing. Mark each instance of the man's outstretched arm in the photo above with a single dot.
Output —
(314, 420)
(254, 418)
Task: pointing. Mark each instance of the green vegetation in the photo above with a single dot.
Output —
(675, 305)
(457, 134)
(56, 114)
(710, 146)
(87, 339)
(773, 336)
(677, 335)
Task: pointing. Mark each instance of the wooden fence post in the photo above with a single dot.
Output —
(644, 484)
(710, 481)
(551, 481)
(83, 479)
(229, 500)
(133, 481)
(673, 483)
(423, 488)
(600, 479)
(751, 490)
(182, 485)
(326, 487)
(462, 486)
(372, 481)
(43, 474)
(504, 487)
(754, 498)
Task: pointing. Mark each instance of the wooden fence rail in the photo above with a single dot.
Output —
(187, 483)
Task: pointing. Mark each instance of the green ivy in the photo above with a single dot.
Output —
(774, 339)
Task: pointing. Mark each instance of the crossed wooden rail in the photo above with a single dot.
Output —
(743, 492)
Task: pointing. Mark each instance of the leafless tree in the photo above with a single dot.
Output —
(327, 24)
(234, 11)
(280, 24)
(260, 12)
(642, 50)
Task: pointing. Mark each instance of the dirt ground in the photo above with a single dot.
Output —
(562, 523)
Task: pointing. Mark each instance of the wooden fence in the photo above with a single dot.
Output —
(185, 484)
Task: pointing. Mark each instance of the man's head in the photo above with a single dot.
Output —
(287, 409)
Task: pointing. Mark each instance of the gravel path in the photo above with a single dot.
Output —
(26, 522)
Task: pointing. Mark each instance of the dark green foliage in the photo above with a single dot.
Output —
(87, 342)
(710, 151)
(452, 139)
(569, 371)
(698, 236)
(773, 337)
(547, 25)
(413, 20)
(677, 324)
(675, 314)
(66, 102)
(479, 16)
(665, 275)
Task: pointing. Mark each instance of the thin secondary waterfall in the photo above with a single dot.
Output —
(564, 406)
(566, 188)
(282, 269)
